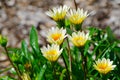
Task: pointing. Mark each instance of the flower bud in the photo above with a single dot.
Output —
(3, 41)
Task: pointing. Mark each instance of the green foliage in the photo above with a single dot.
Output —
(6, 78)
(38, 68)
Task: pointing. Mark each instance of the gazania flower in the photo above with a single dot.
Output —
(58, 13)
(79, 39)
(77, 16)
(51, 52)
(104, 66)
(56, 35)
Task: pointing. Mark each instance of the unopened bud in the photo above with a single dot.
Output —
(3, 41)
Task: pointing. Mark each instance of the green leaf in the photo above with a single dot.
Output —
(117, 51)
(64, 53)
(75, 54)
(62, 74)
(6, 78)
(65, 58)
(69, 31)
(67, 23)
(42, 72)
(111, 37)
(109, 49)
(25, 49)
(86, 48)
(12, 50)
(34, 40)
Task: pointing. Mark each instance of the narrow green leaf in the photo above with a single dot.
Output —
(42, 72)
(65, 58)
(111, 37)
(96, 47)
(62, 75)
(67, 23)
(64, 53)
(34, 40)
(6, 78)
(12, 50)
(109, 49)
(25, 49)
(86, 48)
(69, 31)
(117, 51)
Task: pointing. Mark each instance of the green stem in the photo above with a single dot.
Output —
(70, 60)
(84, 63)
(12, 64)
(65, 62)
(104, 76)
(54, 71)
(66, 67)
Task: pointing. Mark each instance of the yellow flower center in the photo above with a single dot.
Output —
(76, 19)
(79, 41)
(103, 66)
(59, 15)
(56, 36)
(79, 38)
(52, 52)
(75, 16)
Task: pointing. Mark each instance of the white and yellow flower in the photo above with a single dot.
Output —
(79, 39)
(51, 52)
(77, 16)
(56, 35)
(104, 66)
(58, 13)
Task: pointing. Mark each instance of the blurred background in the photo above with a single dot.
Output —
(17, 17)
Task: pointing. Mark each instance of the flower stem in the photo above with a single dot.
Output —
(75, 4)
(84, 63)
(70, 60)
(104, 77)
(66, 67)
(54, 71)
(12, 64)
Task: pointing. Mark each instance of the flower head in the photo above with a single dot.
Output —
(77, 16)
(104, 66)
(56, 35)
(51, 52)
(58, 13)
(79, 39)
